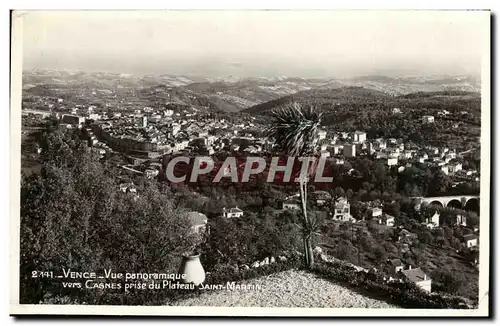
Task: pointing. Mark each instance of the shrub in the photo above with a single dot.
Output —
(74, 216)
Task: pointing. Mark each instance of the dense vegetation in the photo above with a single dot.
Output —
(355, 108)
(74, 216)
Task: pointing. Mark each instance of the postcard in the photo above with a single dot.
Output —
(250, 163)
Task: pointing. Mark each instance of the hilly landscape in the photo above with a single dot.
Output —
(233, 96)
(357, 108)
(251, 95)
(326, 98)
(361, 97)
(413, 84)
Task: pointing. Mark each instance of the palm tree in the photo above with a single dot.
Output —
(294, 130)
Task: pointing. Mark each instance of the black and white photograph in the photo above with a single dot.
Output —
(250, 162)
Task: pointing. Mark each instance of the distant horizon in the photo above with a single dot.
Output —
(374, 74)
(246, 44)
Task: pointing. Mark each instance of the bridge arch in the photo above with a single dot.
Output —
(472, 205)
(465, 202)
(436, 203)
(454, 203)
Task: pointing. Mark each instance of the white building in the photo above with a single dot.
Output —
(339, 161)
(386, 219)
(94, 116)
(381, 143)
(350, 150)
(150, 173)
(198, 222)
(342, 210)
(423, 157)
(391, 161)
(180, 145)
(370, 148)
(359, 136)
(433, 222)
(73, 119)
(470, 240)
(428, 119)
(406, 154)
(210, 140)
(175, 128)
(232, 212)
(321, 134)
(292, 203)
(433, 150)
(454, 168)
(155, 118)
(418, 277)
(461, 220)
(325, 153)
(337, 149)
(376, 212)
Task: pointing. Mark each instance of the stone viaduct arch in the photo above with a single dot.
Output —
(470, 203)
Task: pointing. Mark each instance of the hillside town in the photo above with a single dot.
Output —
(184, 158)
(149, 133)
(144, 136)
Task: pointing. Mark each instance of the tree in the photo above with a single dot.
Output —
(349, 194)
(425, 237)
(393, 209)
(441, 242)
(380, 254)
(359, 210)
(337, 193)
(439, 184)
(450, 281)
(74, 216)
(344, 250)
(294, 130)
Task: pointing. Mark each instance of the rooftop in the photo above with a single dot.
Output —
(197, 218)
(468, 237)
(415, 275)
(396, 262)
(293, 200)
(233, 210)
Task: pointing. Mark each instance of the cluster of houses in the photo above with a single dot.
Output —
(199, 220)
(162, 131)
(159, 132)
(392, 152)
(340, 212)
(404, 238)
(339, 208)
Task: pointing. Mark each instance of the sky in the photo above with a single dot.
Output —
(256, 43)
